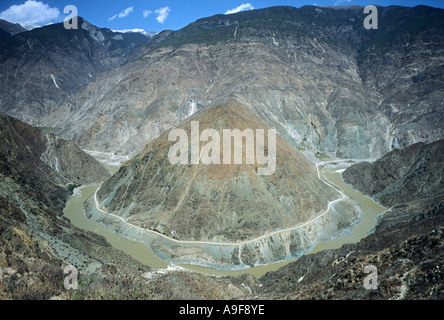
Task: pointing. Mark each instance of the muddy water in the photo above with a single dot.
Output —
(74, 212)
(371, 209)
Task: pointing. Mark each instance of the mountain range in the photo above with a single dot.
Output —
(44, 67)
(284, 62)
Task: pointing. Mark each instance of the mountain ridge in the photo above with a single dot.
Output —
(8, 29)
(332, 96)
(44, 67)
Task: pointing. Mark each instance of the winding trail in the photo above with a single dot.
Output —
(342, 197)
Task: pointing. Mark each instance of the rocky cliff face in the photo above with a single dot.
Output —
(315, 74)
(21, 149)
(412, 173)
(43, 68)
(403, 62)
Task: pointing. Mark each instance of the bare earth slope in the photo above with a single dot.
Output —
(224, 203)
(227, 201)
(36, 241)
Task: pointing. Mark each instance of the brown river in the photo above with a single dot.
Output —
(74, 212)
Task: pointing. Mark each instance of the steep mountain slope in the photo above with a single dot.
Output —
(8, 29)
(413, 173)
(211, 205)
(42, 68)
(404, 63)
(45, 165)
(36, 241)
(226, 201)
(405, 250)
(315, 74)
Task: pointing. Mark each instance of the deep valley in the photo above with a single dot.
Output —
(90, 119)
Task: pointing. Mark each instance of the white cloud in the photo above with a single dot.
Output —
(162, 14)
(30, 13)
(146, 13)
(242, 7)
(123, 14)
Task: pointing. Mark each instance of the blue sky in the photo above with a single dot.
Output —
(157, 15)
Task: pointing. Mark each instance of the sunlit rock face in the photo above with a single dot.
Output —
(315, 74)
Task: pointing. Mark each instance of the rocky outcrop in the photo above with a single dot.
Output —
(412, 173)
(30, 155)
(66, 158)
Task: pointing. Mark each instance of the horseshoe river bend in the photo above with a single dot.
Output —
(330, 172)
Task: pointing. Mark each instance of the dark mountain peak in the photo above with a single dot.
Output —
(9, 29)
